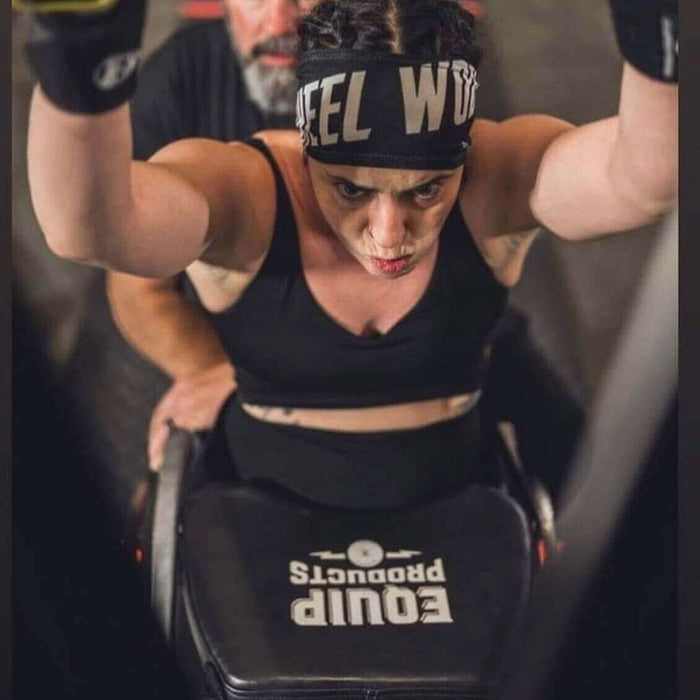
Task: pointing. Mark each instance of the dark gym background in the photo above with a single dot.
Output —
(82, 399)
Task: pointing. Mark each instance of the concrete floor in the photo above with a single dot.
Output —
(542, 56)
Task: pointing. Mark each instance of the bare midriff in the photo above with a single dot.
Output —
(401, 416)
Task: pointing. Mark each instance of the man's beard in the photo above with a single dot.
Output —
(272, 88)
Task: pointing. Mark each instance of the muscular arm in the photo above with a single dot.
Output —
(95, 205)
(152, 219)
(604, 177)
(615, 174)
(163, 326)
(178, 338)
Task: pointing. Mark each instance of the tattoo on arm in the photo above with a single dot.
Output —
(465, 404)
(462, 406)
(218, 274)
(514, 243)
(222, 277)
(276, 414)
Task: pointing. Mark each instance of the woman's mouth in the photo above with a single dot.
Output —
(391, 265)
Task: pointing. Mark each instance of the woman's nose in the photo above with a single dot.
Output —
(387, 225)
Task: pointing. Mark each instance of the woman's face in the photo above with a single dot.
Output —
(387, 219)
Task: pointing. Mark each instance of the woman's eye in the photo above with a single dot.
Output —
(349, 191)
(426, 192)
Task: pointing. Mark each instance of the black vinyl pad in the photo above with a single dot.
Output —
(287, 599)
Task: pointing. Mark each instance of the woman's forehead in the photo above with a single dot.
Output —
(381, 178)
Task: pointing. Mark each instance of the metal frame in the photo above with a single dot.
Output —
(178, 453)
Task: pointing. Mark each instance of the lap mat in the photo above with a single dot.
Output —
(281, 599)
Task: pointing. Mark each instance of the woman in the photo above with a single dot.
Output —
(355, 276)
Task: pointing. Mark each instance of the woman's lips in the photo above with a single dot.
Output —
(391, 264)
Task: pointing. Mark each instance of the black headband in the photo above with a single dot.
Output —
(385, 110)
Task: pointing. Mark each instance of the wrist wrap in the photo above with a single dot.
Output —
(87, 63)
(647, 33)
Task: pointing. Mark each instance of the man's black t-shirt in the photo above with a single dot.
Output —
(193, 86)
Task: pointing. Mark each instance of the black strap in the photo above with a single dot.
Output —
(285, 241)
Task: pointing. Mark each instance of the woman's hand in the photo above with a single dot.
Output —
(192, 403)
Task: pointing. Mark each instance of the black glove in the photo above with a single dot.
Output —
(647, 33)
(85, 55)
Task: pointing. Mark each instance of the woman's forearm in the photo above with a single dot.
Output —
(79, 176)
(94, 204)
(620, 173)
(644, 160)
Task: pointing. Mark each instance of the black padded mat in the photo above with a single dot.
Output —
(289, 596)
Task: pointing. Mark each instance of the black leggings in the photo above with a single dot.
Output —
(348, 470)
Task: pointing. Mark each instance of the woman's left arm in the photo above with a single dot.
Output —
(616, 174)
(620, 173)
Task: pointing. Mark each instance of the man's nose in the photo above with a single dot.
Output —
(282, 16)
(387, 224)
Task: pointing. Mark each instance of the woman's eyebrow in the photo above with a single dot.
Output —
(343, 180)
(435, 180)
(339, 179)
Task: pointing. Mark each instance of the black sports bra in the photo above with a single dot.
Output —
(288, 352)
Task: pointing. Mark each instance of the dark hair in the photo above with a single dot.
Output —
(430, 29)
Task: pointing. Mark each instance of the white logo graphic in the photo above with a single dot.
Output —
(369, 594)
(427, 97)
(115, 69)
(365, 553)
(306, 114)
(670, 46)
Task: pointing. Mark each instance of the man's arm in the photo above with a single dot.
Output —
(162, 325)
(178, 338)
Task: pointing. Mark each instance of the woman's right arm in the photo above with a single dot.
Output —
(93, 203)
(96, 205)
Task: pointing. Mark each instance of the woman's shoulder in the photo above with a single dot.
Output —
(286, 148)
(288, 152)
(501, 170)
(503, 161)
(514, 141)
(238, 185)
(228, 174)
